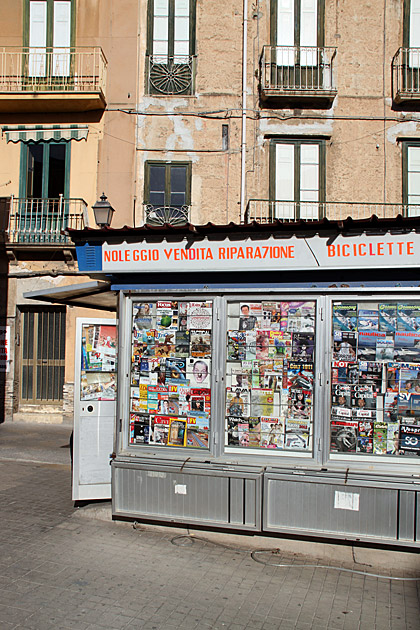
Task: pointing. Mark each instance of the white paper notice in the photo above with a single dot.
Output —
(180, 489)
(346, 501)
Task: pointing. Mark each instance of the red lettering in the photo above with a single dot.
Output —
(362, 249)
(107, 257)
(410, 248)
(136, 255)
(168, 253)
(346, 248)
(331, 251)
(221, 253)
(400, 247)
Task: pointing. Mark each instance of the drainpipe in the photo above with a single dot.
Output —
(244, 90)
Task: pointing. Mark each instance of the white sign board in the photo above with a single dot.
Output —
(268, 254)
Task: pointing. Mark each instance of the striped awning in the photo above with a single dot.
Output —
(43, 133)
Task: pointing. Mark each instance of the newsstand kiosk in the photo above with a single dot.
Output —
(268, 375)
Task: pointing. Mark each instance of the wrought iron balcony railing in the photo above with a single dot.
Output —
(406, 74)
(70, 70)
(297, 71)
(41, 221)
(159, 215)
(170, 75)
(265, 211)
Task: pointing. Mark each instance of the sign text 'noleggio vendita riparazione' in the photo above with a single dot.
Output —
(263, 254)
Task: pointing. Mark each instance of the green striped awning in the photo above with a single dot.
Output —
(43, 133)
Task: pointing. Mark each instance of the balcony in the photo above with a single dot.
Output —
(170, 75)
(52, 80)
(266, 211)
(172, 215)
(40, 222)
(295, 75)
(406, 76)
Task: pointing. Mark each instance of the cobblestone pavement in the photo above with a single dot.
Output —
(60, 570)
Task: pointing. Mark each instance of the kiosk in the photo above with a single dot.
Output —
(268, 375)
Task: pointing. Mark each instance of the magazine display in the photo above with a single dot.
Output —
(170, 399)
(375, 379)
(98, 380)
(270, 351)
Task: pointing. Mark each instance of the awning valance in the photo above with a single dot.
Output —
(43, 133)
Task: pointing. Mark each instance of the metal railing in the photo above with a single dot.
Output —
(81, 69)
(406, 72)
(42, 220)
(265, 211)
(170, 74)
(297, 69)
(159, 215)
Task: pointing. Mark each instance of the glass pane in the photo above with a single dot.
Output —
(161, 7)
(157, 178)
(170, 402)
(177, 199)
(27, 385)
(269, 376)
(309, 153)
(57, 170)
(309, 177)
(182, 7)
(28, 336)
(375, 376)
(35, 170)
(160, 29)
(182, 26)
(178, 178)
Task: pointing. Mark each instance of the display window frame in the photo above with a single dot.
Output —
(390, 463)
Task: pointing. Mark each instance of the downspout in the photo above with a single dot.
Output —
(244, 91)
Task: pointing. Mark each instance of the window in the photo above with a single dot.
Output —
(297, 185)
(44, 191)
(167, 192)
(42, 355)
(49, 37)
(411, 178)
(171, 46)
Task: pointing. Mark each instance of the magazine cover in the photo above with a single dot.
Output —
(345, 345)
(387, 317)
(98, 386)
(197, 432)
(262, 344)
(106, 341)
(200, 399)
(177, 435)
(345, 317)
(164, 344)
(407, 347)
(344, 372)
(343, 435)
(385, 349)
(232, 430)
(296, 436)
(368, 319)
(176, 370)
(243, 434)
(409, 377)
(198, 372)
(392, 377)
(380, 436)
(199, 315)
(182, 343)
(272, 380)
(367, 340)
(200, 341)
(363, 397)
(166, 315)
(139, 428)
(409, 439)
(272, 433)
(393, 436)
(371, 373)
(365, 437)
(250, 345)
(237, 402)
(254, 431)
(300, 375)
(408, 317)
(282, 343)
(341, 395)
(159, 429)
(303, 346)
(263, 402)
(236, 345)
(300, 403)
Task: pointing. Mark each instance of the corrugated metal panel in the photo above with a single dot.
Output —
(406, 515)
(314, 507)
(202, 496)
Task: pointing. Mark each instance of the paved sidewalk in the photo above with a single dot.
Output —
(60, 570)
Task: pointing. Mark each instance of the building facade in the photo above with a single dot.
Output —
(185, 111)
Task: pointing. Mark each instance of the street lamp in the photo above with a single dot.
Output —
(103, 212)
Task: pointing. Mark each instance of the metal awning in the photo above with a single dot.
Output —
(43, 133)
(95, 294)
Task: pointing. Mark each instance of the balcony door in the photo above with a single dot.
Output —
(171, 46)
(297, 182)
(297, 34)
(49, 37)
(167, 192)
(44, 190)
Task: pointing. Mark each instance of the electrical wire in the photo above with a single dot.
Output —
(253, 553)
